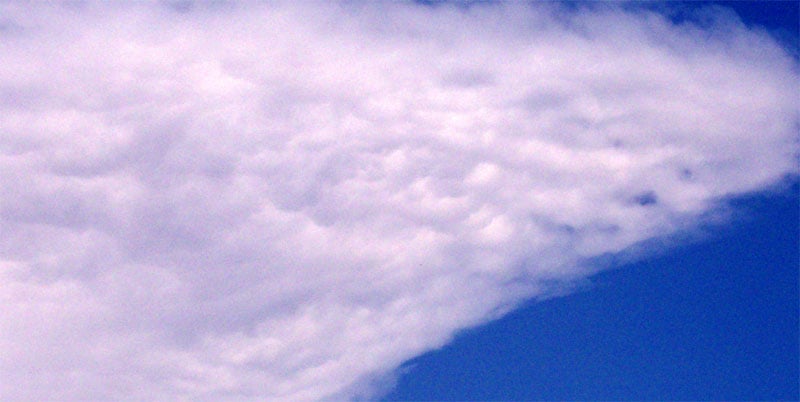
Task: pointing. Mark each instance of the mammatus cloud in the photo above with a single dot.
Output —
(238, 202)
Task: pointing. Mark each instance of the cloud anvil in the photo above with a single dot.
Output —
(231, 202)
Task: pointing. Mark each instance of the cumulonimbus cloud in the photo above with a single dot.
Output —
(282, 202)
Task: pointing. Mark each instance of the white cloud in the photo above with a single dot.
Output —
(224, 202)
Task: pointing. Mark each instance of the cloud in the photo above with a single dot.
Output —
(237, 202)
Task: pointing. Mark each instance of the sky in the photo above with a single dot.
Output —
(394, 200)
(713, 318)
(716, 319)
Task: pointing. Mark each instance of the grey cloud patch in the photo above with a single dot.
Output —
(646, 198)
(287, 202)
(467, 79)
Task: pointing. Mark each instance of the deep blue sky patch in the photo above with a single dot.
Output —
(716, 320)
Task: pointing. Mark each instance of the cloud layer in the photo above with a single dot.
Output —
(237, 202)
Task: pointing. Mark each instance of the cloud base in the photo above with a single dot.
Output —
(286, 202)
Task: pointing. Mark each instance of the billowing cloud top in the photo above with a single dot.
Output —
(277, 202)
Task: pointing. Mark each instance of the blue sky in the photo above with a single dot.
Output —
(305, 201)
(712, 319)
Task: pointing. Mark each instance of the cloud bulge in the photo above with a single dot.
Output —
(272, 201)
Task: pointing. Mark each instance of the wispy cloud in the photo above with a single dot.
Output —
(285, 202)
